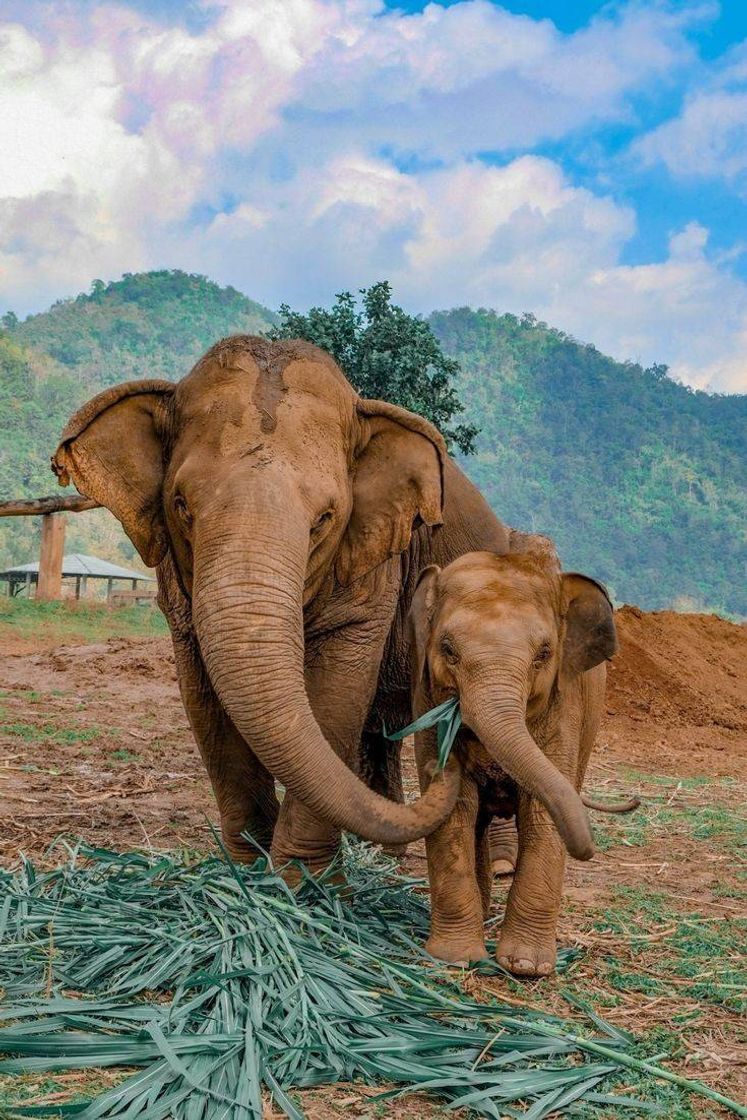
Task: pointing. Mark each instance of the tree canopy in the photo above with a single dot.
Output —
(386, 354)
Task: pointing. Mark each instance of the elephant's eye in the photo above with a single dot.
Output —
(542, 656)
(448, 651)
(182, 510)
(322, 521)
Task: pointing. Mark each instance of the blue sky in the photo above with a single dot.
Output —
(584, 161)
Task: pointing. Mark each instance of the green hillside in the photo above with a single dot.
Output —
(642, 482)
(153, 324)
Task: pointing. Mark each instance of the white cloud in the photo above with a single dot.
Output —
(518, 237)
(251, 150)
(708, 138)
(449, 82)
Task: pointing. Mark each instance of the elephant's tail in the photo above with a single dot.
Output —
(611, 806)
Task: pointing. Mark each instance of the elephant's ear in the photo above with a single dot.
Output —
(111, 450)
(421, 618)
(590, 636)
(397, 482)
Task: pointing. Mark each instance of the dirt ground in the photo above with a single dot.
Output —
(94, 743)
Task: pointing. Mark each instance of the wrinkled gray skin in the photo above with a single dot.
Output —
(289, 521)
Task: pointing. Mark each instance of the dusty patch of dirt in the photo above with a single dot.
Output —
(94, 742)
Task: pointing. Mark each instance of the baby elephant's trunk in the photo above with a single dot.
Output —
(499, 725)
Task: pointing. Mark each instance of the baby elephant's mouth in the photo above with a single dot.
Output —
(498, 792)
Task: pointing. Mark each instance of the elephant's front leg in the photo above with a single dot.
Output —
(340, 683)
(457, 921)
(527, 941)
(381, 769)
(243, 788)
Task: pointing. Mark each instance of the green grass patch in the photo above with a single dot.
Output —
(633, 830)
(49, 732)
(121, 754)
(78, 622)
(656, 816)
(716, 822)
(28, 1089)
(699, 957)
(640, 776)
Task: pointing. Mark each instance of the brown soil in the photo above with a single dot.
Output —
(677, 695)
(94, 743)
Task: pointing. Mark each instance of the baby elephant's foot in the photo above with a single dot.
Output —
(457, 951)
(527, 957)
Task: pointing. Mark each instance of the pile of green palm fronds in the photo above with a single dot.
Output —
(219, 984)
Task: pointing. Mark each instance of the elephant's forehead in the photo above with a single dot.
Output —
(278, 394)
(486, 587)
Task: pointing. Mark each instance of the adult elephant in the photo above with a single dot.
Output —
(288, 520)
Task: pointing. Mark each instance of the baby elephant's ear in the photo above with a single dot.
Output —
(421, 617)
(590, 636)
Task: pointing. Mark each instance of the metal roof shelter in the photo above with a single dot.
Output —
(76, 566)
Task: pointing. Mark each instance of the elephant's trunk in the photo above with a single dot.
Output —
(499, 723)
(248, 616)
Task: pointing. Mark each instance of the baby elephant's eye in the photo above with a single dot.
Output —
(542, 656)
(448, 651)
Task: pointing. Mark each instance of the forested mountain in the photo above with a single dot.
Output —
(642, 482)
(153, 324)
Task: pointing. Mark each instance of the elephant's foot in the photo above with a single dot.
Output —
(302, 837)
(527, 956)
(287, 858)
(239, 849)
(293, 874)
(504, 846)
(457, 951)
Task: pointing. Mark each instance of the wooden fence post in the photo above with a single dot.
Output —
(49, 585)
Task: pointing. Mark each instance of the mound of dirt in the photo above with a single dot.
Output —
(680, 669)
(683, 677)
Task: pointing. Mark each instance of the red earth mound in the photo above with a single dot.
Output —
(678, 692)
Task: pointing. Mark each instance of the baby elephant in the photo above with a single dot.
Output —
(523, 646)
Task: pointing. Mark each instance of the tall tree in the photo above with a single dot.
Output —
(386, 354)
